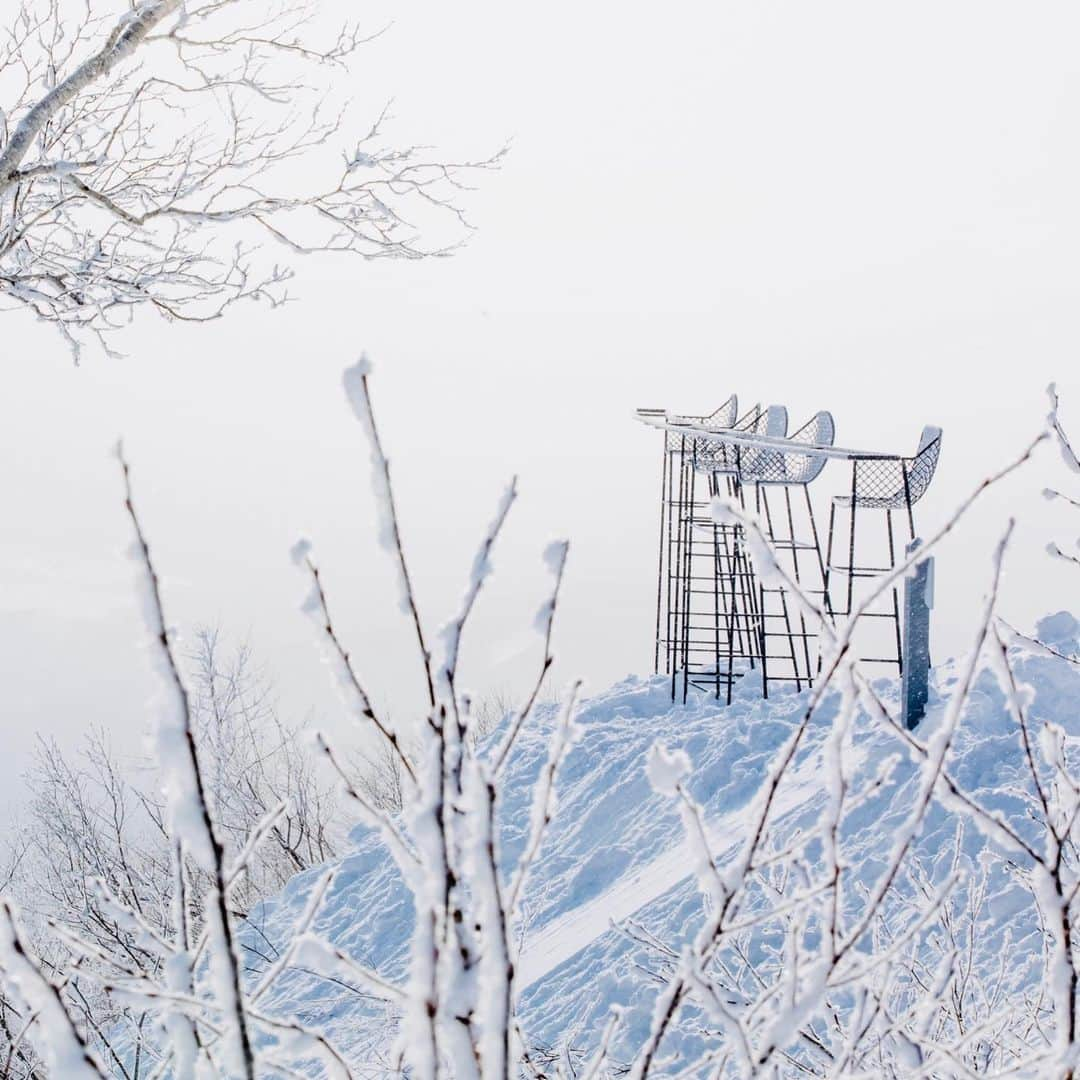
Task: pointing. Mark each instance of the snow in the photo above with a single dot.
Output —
(666, 770)
(615, 868)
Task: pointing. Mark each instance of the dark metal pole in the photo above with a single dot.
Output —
(895, 594)
(851, 541)
(660, 554)
(798, 580)
(689, 573)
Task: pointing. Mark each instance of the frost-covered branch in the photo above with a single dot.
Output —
(359, 395)
(151, 151)
(189, 817)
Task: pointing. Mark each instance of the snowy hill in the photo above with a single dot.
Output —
(616, 851)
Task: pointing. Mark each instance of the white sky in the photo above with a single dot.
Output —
(863, 207)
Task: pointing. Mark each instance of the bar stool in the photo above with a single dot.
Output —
(721, 621)
(886, 483)
(785, 468)
(676, 506)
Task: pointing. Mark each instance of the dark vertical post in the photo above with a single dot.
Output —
(895, 595)
(689, 591)
(675, 575)
(827, 565)
(851, 539)
(718, 578)
(918, 600)
(763, 500)
(664, 498)
(798, 581)
(763, 645)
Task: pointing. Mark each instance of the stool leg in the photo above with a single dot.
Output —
(728, 597)
(851, 548)
(798, 581)
(732, 617)
(827, 569)
(675, 572)
(907, 499)
(762, 648)
(750, 596)
(689, 584)
(764, 500)
(741, 572)
(727, 569)
(718, 577)
(664, 500)
(895, 594)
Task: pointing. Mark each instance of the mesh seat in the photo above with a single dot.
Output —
(769, 466)
(722, 456)
(895, 483)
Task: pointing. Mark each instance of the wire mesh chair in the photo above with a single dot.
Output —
(675, 586)
(896, 483)
(889, 484)
(794, 532)
(716, 621)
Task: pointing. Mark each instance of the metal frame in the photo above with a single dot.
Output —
(887, 484)
(715, 619)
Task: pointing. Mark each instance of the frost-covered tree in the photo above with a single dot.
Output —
(94, 837)
(150, 149)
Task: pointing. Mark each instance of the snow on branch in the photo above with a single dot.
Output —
(64, 1047)
(1068, 454)
(152, 150)
(359, 395)
(189, 811)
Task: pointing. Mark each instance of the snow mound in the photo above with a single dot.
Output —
(615, 870)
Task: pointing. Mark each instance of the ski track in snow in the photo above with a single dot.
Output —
(567, 935)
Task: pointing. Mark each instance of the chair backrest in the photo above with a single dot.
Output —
(772, 422)
(919, 470)
(930, 435)
(819, 430)
(725, 416)
(776, 422)
(749, 419)
(708, 454)
(760, 463)
(896, 482)
(721, 419)
(716, 456)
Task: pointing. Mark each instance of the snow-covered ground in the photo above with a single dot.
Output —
(615, 868)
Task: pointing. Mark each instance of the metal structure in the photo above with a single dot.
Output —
(718, 616)
(887, 485)
(706, 614)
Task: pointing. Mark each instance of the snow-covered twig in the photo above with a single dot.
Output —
(61, 1042)
(359, 395)
(347, 679)
(190, 820)
(100, 213)
(555, 558)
